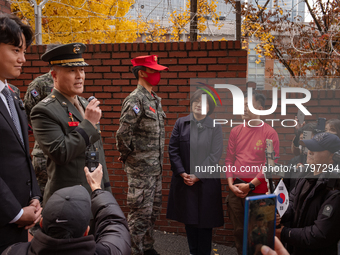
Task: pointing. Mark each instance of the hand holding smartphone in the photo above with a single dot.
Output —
(259, 223)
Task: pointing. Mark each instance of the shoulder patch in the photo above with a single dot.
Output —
(34, 93)
(136, 109)
(327, 210)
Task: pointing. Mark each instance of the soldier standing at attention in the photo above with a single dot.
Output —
(140, 141)
(37, 90)
(65, 124)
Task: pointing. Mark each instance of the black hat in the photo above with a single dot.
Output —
(66, 55)
(322, 142)
(68, 209)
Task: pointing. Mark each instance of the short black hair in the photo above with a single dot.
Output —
(136, 69)
(12, 29)
(258, 98)
(311, 126)
(197, 94)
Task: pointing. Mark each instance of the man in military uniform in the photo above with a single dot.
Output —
(37, 90)
(66, 125)
(140, 141)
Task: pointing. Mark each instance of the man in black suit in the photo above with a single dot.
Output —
(19, 192)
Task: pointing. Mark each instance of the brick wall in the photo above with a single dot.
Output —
(109, 79)
(5, 6)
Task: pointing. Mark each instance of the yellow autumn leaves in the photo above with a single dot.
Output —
(105, 21)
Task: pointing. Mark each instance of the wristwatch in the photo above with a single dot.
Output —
(251, 186)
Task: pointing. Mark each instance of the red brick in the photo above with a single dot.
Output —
(101, 55)
(178, 54)
(93, 75)
(206, 75)
(217, 67)
(237, 67)
(187, 61)
(230, 44)
(198, 53)
(178, 95)
(120, 55)
(199, 68)
(121, 69)
(207, 61)
(187, 75)
(166, 61)
(237, 53)
(219, 53)
(102, 69)
(111, 62)
(31, 69)
(169, 75)
(111, 75)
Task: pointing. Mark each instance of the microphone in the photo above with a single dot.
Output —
(90, 98)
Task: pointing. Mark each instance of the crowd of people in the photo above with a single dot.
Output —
(69, 208)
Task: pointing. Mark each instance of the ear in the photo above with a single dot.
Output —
(54, 74)
(41, 222)
(87, 231)
(142, 74)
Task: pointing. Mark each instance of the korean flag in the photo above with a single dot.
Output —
(282, 198)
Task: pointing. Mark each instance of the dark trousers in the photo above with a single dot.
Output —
(199, 240)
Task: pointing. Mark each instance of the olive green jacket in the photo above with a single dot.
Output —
(53, 121)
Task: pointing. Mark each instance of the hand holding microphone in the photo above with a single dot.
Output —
(93, 113)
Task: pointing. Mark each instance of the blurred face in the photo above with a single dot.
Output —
(69, 80)
(196, 107)
(330, 129)
(319, 157)
(248, 115)
(12, 58)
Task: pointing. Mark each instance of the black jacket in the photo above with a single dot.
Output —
(18, 183)
(200, 204)
(111, 234)
(316, 231)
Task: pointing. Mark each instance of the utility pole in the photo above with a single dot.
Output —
(38, 15)
(238, 20)
(193, 20)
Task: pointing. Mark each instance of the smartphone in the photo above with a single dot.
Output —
(307, 135)
(300, 116)
(320, 127)
(259, 223)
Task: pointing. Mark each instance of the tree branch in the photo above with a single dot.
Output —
(313, 16)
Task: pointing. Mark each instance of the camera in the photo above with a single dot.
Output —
(91, 159)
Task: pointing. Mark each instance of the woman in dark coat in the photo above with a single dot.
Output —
(195, 197)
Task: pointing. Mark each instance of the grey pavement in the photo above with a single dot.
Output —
(171, 244)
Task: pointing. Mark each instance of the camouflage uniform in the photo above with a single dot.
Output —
(140, 140)
(38, 89)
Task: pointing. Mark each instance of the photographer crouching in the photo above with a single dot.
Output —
(314, 205)
(65, 223)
